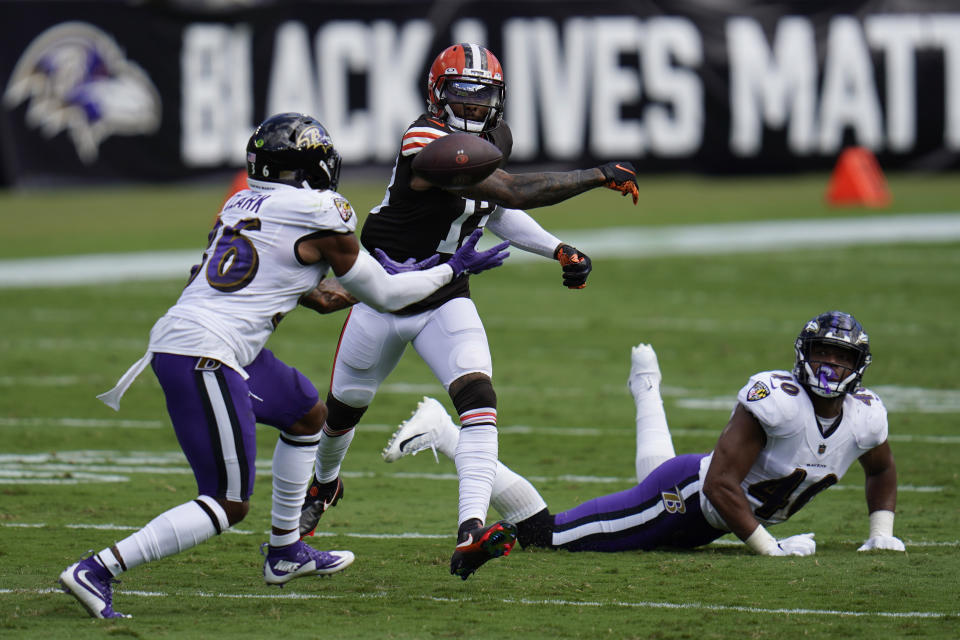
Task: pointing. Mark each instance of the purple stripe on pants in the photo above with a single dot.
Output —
(648, 516)
(215, 416)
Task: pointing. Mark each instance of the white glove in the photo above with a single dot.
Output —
(884, 543)
(799, 545)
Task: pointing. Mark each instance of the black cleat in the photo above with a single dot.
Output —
(480, 545)
(320, 497)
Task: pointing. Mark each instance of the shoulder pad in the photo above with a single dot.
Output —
(326, 210)
(421, 133)
(775, 399)
(866, 416)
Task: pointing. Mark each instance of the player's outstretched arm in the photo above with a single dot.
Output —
(531, 190)
(365, 279)
(881, 490)
(526, 233)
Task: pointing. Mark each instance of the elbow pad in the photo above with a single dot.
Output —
(369, 283)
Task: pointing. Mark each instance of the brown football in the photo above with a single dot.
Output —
(457, 160)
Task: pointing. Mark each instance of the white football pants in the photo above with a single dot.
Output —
(450, 339)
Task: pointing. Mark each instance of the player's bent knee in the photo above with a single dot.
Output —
(356, 397)
(311, 423)
(341, 415)
(236, 511)
(472, 391)
(355, 393)
(471, 357)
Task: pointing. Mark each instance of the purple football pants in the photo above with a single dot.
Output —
(661, 511)
(214, 413)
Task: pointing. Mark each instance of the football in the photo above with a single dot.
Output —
(457, 160)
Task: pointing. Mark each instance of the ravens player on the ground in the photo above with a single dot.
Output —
(792, 434)
(416, 220)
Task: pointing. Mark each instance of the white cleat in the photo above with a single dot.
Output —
(644, 369)
(420, 431)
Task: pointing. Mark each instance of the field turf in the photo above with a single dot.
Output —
(75, 476)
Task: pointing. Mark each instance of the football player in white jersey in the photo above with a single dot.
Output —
(416, 219)
(270, 248)
(791, 435)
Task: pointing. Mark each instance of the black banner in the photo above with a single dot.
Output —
(156, 91)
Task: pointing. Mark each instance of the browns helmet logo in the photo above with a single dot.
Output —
(76, 78)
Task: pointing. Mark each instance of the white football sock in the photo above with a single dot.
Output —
(171, 532)
(292, 470)
(654, 445)
(513, 496)
(448, 436)
(476, 460)
(110, 561)
(331, 452)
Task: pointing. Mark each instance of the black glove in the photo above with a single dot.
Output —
(576, 266)
(622, 177)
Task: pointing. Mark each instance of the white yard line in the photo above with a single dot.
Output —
(407, 535)
(559, 603)
(92, 466)
(616, 242)
(895, 398)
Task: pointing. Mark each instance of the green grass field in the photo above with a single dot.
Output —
(75, 476)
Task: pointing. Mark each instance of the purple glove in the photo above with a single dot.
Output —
(393, 267)
(468, 260)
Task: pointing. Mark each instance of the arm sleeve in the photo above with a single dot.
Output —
(368, 282)
(522, 231)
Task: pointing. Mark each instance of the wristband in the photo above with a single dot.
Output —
(881, 523)
(761, 542)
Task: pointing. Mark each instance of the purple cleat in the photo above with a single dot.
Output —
(89, 582)
(299, 559)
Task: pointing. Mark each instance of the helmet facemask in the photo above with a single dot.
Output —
(826, 378)
(328, 175)
(471, 105)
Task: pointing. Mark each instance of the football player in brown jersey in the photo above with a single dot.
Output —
(416, 220)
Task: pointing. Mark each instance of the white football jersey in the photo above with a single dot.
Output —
(250, 276)
(798, 462)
